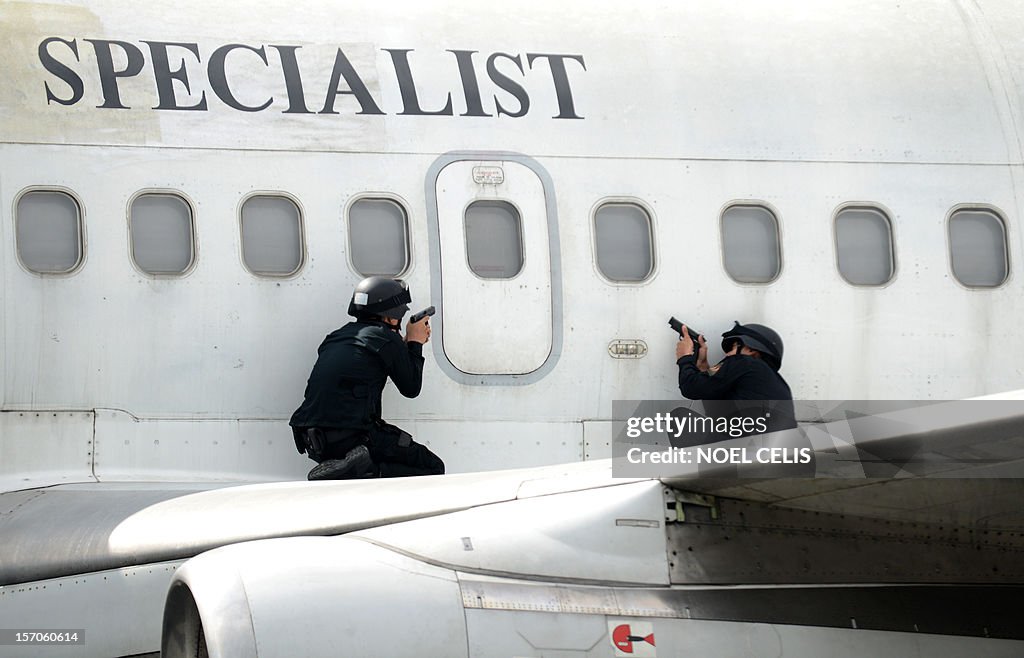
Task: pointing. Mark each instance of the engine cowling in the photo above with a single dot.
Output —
(401, 589)
(340, 596)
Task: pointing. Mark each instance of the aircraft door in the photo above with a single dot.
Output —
(492, 247)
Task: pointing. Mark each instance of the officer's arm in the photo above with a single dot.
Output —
(697, 385)
(404, 363)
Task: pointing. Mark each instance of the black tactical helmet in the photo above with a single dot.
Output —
(379, 295)
(757, 337)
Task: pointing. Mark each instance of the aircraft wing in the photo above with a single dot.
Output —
(958, 463)
(928, 560)
(498, 557)
(84, 528)
(100, 557)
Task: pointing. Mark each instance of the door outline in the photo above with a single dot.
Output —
(554, 258)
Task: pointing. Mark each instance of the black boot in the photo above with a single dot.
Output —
(356, 464)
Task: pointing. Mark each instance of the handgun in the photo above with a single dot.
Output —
(425, 313)
(677, 326)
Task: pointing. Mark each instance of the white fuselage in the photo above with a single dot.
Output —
(115, 374)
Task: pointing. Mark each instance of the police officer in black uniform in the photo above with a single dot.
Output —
(746, 384)
(339, 423)
(750, 371)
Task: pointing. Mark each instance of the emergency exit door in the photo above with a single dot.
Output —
(494, 246)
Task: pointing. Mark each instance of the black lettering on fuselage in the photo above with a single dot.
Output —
(509, 85)
(292, 80)
(119, 60)
(407, 86)
(62, 71)
(219, 77)
(563, 90)
(165, 77)
(356, 87)
(470, 86)
(109, 76)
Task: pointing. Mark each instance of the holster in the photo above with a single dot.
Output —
(311, 441)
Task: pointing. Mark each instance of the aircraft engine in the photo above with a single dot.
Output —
(425, 587)
(339, 597)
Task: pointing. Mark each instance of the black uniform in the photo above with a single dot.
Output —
(741, 377)
(343, 398)
(749, 388)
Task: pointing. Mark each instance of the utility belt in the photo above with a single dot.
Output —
(316, 441)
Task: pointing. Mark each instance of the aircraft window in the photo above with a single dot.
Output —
(750, 240)
(161, 233)
(977, 241)
(49, 232)
(622, 232)
(378, 234)
(864, 246)
(271, 235)
(494, 239)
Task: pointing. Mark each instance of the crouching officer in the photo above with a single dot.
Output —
(339, 423)
(748, 380)
(749, 371)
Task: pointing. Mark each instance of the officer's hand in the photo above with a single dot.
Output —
(418, 332)
(702, 354)
(685, 345)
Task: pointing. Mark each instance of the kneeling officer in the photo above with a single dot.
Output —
(749, 372)
(339, 423)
